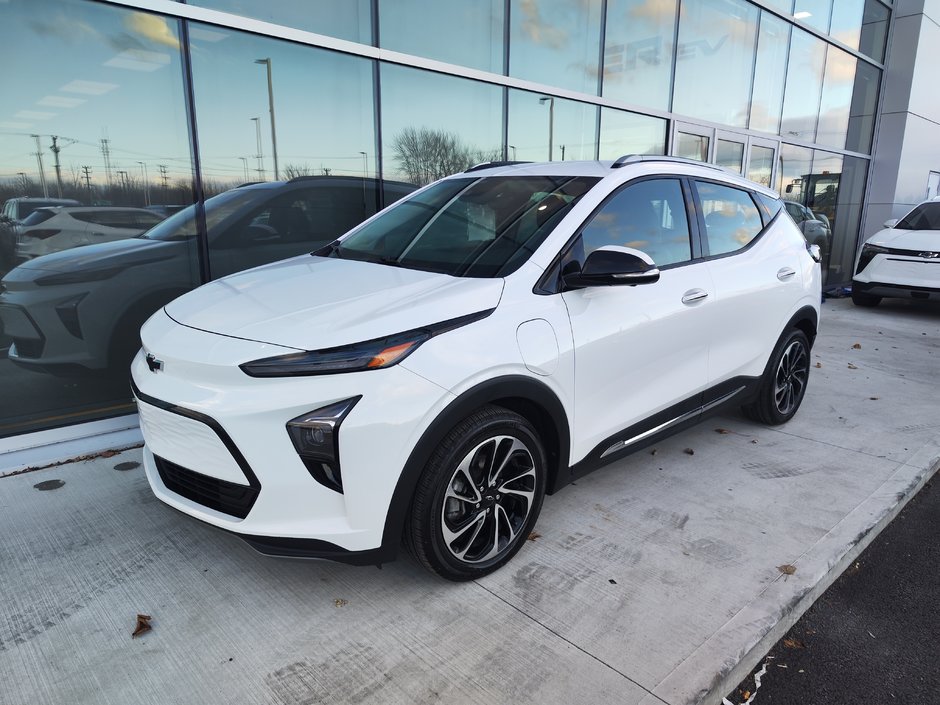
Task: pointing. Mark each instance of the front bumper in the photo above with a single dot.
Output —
(221, 448)
(902, 291)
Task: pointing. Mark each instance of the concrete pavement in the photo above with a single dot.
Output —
(654, 580)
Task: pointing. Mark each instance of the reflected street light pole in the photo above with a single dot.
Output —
(551, 120)
(245, 164)
(365, 164)
(513, 148)
(143, 167)
(260, 155)
(267, 63)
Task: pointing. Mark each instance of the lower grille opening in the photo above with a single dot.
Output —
(222, 496)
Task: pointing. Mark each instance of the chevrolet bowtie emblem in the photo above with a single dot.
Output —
(154, 364)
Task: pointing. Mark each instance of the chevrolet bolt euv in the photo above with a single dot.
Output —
(430, 376)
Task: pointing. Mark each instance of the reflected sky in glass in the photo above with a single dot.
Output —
(556, 42)
(836, 98)
(815, 13)
(804, 85)
(769, 73)
(322, 99)
(91, 72)
(468, 34)
(638, 51)
(629, 133)
(574, 127)
(846, 24)
(345, 19)
(715, 60)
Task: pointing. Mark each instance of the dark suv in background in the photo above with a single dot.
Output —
(78, 310)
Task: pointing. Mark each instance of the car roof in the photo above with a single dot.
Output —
(645, 164)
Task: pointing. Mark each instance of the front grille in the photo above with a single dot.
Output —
(220, 495)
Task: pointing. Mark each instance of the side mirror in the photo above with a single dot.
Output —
(815, 252)
(891, 223)
(611, 266)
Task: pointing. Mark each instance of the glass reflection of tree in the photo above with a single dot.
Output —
(425, 154)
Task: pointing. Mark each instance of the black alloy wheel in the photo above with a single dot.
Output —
(783, 384)
(479, 496)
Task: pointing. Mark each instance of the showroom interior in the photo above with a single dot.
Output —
(153, 105)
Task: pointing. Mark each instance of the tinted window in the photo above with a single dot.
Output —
(925, 217)
(38, 216)
(649, 216)
(731, 218)
(771, 206)
(472, 227)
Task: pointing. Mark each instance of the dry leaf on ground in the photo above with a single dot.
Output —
(857, 346)
(689, 451)
(792, 643)
(852, 367)
(143, 625)
(787, 569)
(818, 365)
(340, 602)
(534, 535)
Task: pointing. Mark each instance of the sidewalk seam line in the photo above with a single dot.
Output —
(571, 643)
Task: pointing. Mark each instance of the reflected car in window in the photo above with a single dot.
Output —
(48, 230)
(81, 309)
(901, 261)
(15, 210)
(815, 227)
(433, 373)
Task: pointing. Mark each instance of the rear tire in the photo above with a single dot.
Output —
(783, 384)
(866, 300)
(479, 496)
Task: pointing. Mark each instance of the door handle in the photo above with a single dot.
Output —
(694, 295)
(785, 273)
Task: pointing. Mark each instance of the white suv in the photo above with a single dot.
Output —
(431, 375)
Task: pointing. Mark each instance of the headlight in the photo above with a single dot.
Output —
(315, 436)
(370, 355)
(868, 254)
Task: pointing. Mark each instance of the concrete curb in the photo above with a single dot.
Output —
(766, 619)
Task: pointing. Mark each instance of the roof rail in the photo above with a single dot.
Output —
(638, 158)
(491, 165)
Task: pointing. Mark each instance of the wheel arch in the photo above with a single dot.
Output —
(807, 320)
(526, 396)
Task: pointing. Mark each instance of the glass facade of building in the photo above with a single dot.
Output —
(342, 106)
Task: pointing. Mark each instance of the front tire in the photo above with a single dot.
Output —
(479, 496)
(783, 384)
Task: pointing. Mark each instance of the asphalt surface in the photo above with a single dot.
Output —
(873, 635)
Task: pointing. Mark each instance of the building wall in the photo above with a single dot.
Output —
(130, 105)
(908, 143)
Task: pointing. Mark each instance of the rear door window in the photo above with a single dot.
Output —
(731, 218)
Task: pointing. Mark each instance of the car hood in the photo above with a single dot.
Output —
(311, 303)
(118, 253)
(926, 240)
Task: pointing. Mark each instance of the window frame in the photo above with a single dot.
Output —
(550, 282)
(766, 222)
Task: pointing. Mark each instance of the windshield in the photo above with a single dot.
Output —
(182, 225)
(925, 217)
(468, 227)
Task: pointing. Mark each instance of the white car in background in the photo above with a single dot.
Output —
(901, 261)
(433, 373)
(56, 228)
